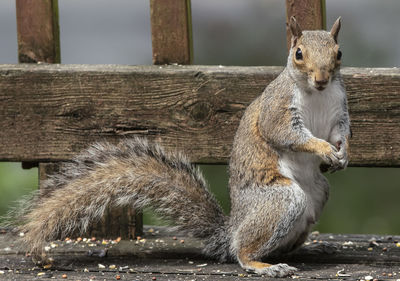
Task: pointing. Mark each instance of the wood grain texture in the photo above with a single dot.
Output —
(310, 14)
(51, 112)
(171, 31)
(38, 31)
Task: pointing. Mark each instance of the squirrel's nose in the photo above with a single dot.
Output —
(321, 82)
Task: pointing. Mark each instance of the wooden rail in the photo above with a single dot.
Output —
(50, 112)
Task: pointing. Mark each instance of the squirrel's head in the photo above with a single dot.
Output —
(314, 57)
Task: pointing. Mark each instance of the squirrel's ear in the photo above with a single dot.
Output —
(335, 29)
(295, 30)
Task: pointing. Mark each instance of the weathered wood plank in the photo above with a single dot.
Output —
(181, 270)
(310, 14)
(38, 31)
(50, 112)
(171, 31)
(323, 257)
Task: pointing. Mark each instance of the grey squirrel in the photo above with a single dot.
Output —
(276, 187)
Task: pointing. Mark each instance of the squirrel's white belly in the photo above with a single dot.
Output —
(303, 169)
(318, 112)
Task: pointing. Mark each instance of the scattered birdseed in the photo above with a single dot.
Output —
(118, 277)
(182, 241)
(85, 270)
(370, 249)
(174, 238)
(41, 273)
(1, 272)
(398, 244)
(47, 248)
(342, 273)
(368, 278)
(47, 266)
(113, 266)
(64, 276)
(79, 239)
(21, 234)
(373, 243)
(153, 278)
(93, 239)
(101, 266)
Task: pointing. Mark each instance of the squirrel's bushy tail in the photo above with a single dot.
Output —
(132, 173)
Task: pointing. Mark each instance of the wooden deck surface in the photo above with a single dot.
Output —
(164, 255)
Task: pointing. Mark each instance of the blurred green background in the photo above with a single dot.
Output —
(231, 32)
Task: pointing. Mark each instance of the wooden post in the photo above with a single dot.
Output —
(39, 41)
(38, 31)
(310, 14)
(171, 31)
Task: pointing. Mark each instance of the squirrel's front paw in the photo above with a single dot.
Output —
(342, 160)
(330, 155)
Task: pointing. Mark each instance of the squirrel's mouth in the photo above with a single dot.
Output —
(320, 88)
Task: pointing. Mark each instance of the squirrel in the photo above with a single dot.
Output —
(276, 186)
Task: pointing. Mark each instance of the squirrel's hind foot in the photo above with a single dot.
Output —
(270, 270)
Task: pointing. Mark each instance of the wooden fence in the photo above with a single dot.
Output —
(49, 112)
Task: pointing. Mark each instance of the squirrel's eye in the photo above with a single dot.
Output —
(299, 54)
(339, 55)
